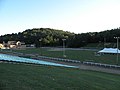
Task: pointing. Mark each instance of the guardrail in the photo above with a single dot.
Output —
(102, 65)
(60, 59)
(87, 63)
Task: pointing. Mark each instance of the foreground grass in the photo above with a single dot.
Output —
(82, 55)
(39, 77)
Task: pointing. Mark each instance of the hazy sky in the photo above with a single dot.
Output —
(69, 15)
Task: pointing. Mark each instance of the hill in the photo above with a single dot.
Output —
(39, 36)
(53, 37)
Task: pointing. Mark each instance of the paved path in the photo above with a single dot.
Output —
(88, 67)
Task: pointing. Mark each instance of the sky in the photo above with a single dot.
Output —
(78, 16)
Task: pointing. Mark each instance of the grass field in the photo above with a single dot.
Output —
(82, 55)
(40, 77)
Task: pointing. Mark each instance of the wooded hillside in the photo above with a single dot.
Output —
(53, 37)
(39, 36)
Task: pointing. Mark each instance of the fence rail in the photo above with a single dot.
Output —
(102, 65)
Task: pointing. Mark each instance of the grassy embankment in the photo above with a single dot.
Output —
(40, 77)
(82, 55)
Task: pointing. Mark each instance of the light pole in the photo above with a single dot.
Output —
(64, 47)
(117, 48)
(40, 45)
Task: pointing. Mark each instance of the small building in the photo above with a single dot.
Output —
(1, 46)
(12, 45)
(11, 42)
(20, 44)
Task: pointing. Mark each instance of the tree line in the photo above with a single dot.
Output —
(53, 37)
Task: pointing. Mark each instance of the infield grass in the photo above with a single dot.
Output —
(82, 55)
(41, 77)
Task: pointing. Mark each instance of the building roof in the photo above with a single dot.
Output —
(109, 50)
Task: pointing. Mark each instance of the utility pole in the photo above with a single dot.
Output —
(64, 47)
(40, 40)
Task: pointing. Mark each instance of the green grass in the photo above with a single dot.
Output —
(101, 45)
(95, 45)
(40, 77)
(82, 55)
